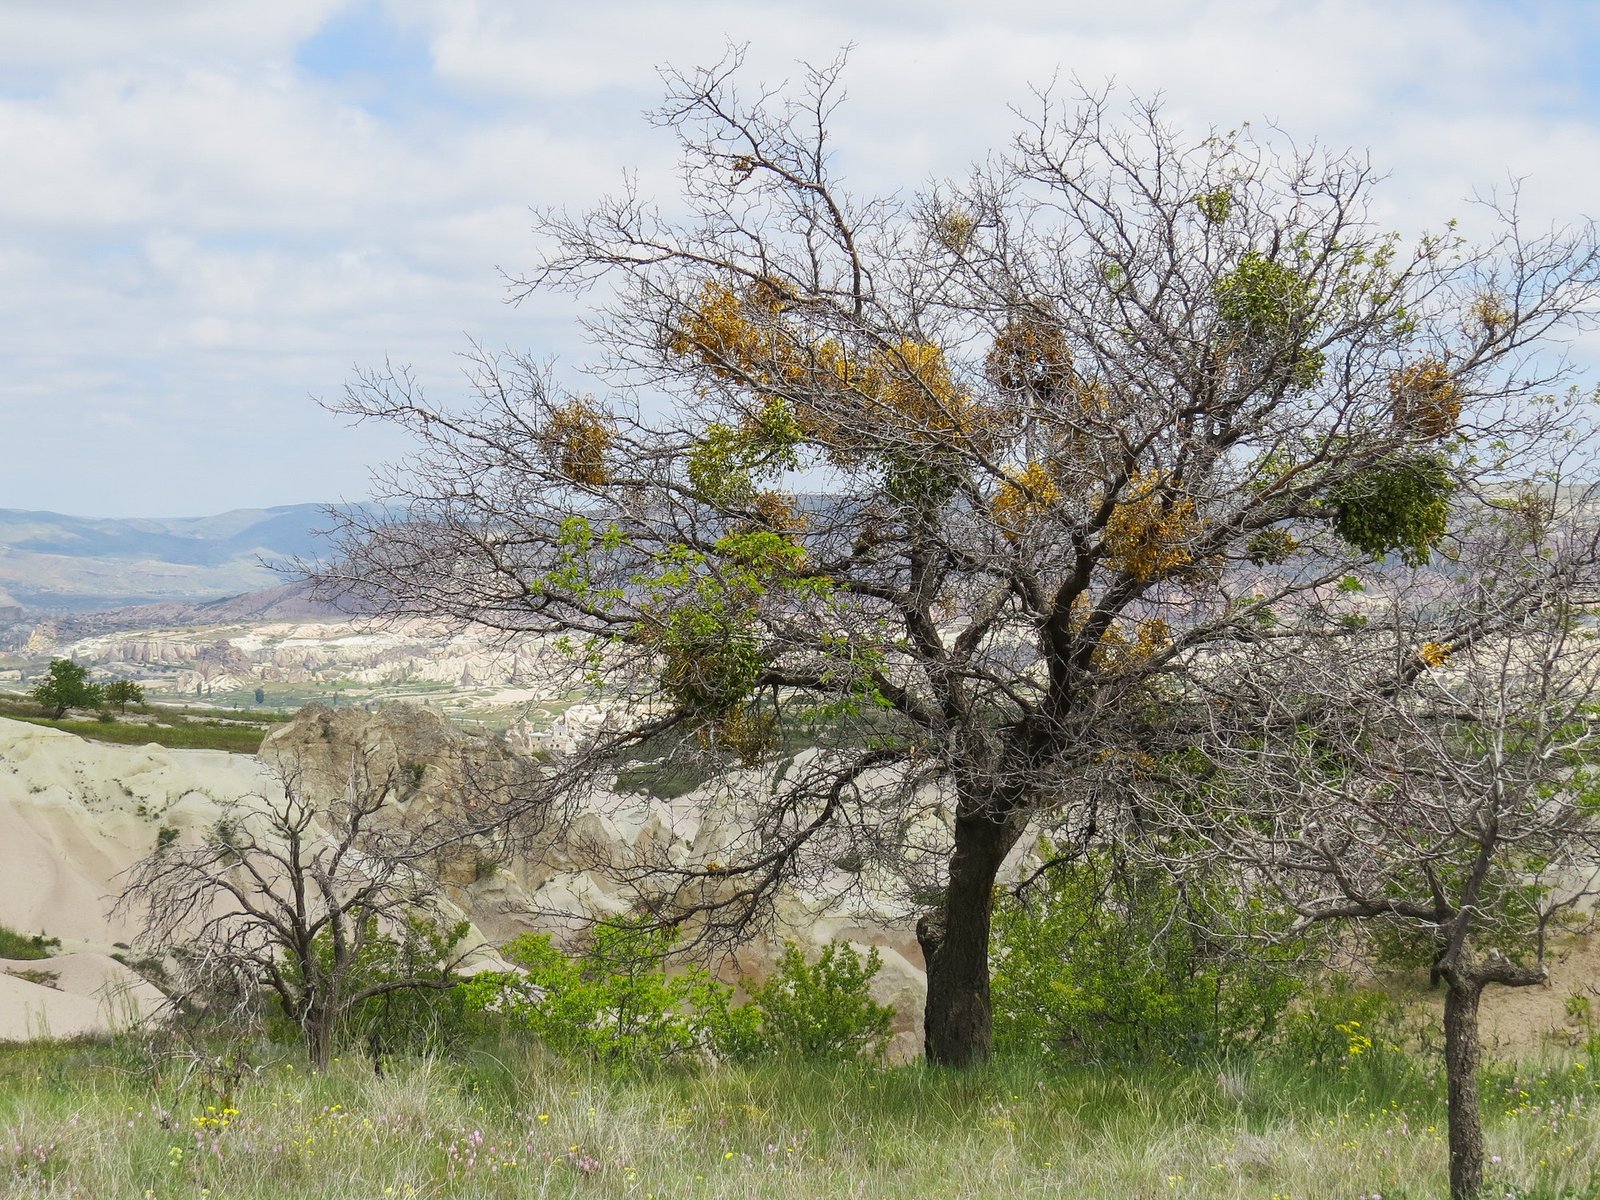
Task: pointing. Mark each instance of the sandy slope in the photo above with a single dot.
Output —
(73, 816)
(69, 995)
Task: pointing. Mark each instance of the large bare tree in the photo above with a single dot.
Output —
(954, 500)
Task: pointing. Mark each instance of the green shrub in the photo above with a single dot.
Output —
(1105, 961)
(1330, 1027)
(412, 1020)
(1360, 1037)
(822, 1010)
(16, 945)
(617, 1004)
(429, 1014)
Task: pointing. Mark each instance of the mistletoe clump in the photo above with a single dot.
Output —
(1404, 506)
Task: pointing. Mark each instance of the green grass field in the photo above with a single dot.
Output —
(505, 1120)
(181, 729)
(236, 739)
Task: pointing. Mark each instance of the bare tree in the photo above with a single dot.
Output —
(958, 492)
(321, 905)
(1457, 807)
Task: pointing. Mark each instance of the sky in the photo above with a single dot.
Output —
(212, 212)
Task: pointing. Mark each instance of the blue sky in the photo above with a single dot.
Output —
(215, 209)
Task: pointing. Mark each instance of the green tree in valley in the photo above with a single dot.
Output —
(964, 505)
(123, 692)
(66, 685)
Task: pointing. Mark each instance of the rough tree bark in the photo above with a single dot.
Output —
(318, 1025)
(1462, 1052)
(958, 1026)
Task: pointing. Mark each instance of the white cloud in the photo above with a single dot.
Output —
(196, 234)
(39, 36)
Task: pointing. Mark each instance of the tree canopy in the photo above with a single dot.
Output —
(123, 692)
(65, 685)
(956, 510)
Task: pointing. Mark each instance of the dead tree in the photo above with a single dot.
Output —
(1456, 805)
(320, 905)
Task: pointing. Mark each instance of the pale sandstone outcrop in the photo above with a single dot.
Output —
(563, 884)
(74, 815)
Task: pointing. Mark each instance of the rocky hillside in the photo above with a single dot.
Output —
(75, 815)
(285, 602)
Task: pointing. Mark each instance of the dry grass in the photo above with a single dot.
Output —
(505, 1121)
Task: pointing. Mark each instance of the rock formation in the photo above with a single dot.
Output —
(560, 883)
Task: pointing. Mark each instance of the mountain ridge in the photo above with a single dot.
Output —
(56, 562)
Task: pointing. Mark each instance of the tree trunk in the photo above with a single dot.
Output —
(958, 1021)
(1461, 1055)
(319, 1037)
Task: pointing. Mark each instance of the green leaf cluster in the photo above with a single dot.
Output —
(123, 692)
(1267, 310)
(617, 1004)
(1403, 505)
(66, 685)
(614, 1004)
(709, 640)
(712, 656)
(824, 1010)
(1215, 205)
(725, 463)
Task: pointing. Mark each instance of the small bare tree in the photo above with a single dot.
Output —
(1458, 808)
(320, 905)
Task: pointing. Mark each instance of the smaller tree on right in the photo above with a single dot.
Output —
(65, 685)
(123, 692)
(1459, 810)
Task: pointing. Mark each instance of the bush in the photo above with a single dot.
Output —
(616, 1003)
(1105, 961)
(1330, 1028)
(822, 1010)
(428, 1013)
(16, 945)
(412, 1019)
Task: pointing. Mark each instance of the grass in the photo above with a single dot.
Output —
(252, 713)
(16, 945)
(504, 1120)
(178, 728)
(236, 739)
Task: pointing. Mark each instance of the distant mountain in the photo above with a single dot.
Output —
(198, 541)
(286, 602)
(53, 562)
